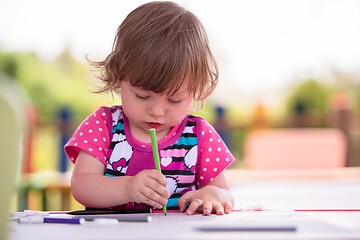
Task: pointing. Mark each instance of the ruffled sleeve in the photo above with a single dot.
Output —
(92, 136)
(215, 156)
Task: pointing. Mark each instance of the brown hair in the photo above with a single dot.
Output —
(158, 46)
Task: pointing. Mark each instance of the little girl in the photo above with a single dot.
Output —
(161, 63)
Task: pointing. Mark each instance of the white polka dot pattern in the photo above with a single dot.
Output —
(215, 156)
(87, 137)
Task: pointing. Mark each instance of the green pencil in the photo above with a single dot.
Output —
(156, 155)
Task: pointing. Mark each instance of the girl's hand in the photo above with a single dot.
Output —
(148, 186)
(209, 199)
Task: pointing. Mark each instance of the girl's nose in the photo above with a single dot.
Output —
(157, 109)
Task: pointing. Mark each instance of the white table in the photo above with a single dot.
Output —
(280, 196)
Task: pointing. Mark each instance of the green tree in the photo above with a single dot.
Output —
(312, 95)
(52, 84)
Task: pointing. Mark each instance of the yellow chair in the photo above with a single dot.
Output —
(10, 135)
(292, 148)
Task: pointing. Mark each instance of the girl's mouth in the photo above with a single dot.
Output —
(154, 125)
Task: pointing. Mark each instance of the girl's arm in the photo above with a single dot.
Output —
(92, 189)
(215, 197)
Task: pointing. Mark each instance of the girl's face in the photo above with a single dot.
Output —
(146, 109)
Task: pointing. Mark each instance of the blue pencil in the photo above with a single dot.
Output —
(64, 220)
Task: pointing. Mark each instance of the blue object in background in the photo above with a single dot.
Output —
(65, 117)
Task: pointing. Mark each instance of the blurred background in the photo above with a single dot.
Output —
(283, 65)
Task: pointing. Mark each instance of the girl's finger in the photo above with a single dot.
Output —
(154, 196)
(159, 177)
(151, 202)
(218, 208)
(207, 208)
(227, 207)
(158, 188)
(184, 200)
(194, 206)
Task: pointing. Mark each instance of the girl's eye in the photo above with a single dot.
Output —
(174, 101)
(142, 97)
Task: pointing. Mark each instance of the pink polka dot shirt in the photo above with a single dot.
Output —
(98, 132)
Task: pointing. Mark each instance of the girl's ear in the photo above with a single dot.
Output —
(117, 84)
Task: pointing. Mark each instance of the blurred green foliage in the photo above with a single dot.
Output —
(52, 84)
(311, 95)
(316, 96)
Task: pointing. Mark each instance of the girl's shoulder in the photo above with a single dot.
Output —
(107, 113)
(103, 110)
(201, 122)
(93, 134)
(197, 119)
